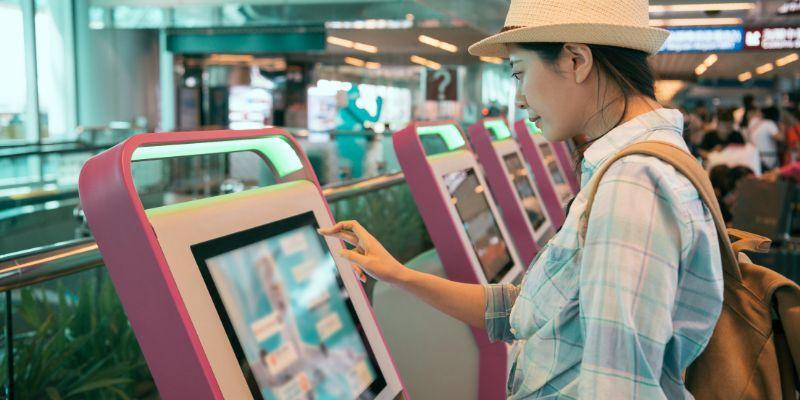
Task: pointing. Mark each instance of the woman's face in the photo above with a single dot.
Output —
(556, 96)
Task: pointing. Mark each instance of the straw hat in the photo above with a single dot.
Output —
(621, 23)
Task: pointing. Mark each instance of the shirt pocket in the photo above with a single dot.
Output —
(550, 284)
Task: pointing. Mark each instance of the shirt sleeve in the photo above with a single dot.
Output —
(628, 283)
(499, 301)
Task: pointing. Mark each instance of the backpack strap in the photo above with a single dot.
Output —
(684, 163)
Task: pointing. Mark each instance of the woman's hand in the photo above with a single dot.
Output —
(368, 255)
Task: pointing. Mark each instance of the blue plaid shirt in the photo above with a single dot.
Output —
(621, 316)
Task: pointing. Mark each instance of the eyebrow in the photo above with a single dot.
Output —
(511, 62)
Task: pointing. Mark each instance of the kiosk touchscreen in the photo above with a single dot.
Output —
(511, 184)
(471, 240)
(237, 296)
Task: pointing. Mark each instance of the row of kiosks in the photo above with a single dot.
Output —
(237, 296)
(554, 156)
(528, 209)
(476, 240)
(463, 221)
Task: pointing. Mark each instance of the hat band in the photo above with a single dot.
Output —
(511, 28)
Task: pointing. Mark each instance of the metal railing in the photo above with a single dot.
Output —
(28, 267)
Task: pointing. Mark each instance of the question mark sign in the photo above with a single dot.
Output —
(446, 79)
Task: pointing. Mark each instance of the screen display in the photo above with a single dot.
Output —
(562, 188)
(468, 195)
(287, 315)
(433, 144)
(519, 176)
(550, 162)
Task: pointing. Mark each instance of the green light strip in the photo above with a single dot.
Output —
(532, 128)
(449, 133)
(498, 129)
(276, 149)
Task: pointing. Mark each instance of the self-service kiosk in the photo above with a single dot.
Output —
(538, 151)
(470, 238)
(236, 296)
(562, 152)
(513, 189)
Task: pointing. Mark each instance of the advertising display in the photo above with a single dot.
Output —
(705, 39)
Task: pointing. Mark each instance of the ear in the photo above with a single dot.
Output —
(580, 60)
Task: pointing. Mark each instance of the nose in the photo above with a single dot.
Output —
(520, 101)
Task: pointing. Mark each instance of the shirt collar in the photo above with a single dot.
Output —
(636, 130)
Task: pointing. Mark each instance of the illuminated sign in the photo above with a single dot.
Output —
(781, 38)
(790, 7)
(699, 40)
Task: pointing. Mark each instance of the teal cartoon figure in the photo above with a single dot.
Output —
(352, 148)
(354, 118)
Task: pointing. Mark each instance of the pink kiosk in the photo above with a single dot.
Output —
(562, 151)
(512, 186)
(471, 241)
(537, 150)
(236, 296)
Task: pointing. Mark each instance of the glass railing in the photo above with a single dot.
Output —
(64, 333)
(38, 184)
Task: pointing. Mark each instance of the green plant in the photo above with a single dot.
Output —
(391, 216)
(76, 344)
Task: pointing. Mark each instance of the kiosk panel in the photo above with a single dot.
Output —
(469, 197)
(286, 313)
(527, 195)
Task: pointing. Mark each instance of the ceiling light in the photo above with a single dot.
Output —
(745, 76)
(340, 42)
(357, 62)
(492, 60)
(231, 58)
(372, 65)
(438, 43)
(337, 41)
(365, 47)
(702, 7)
(700, 70)
(787, 60)
(695, 21)
(765, 68)
(710, 60)
(424, 61)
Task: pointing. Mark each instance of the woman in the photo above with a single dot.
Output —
(623, 311)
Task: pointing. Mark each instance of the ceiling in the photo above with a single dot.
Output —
(459, 22)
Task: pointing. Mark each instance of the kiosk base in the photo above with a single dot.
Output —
(435, 354)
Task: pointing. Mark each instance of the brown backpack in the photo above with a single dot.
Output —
(754, 352)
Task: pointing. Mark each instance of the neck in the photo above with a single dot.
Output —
(637, 105)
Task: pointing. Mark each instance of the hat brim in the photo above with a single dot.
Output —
(646, 39)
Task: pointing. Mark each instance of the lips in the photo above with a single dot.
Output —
(535, 119)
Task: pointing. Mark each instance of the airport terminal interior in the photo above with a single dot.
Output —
(165, 166)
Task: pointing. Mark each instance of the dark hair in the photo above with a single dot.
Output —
(772, 113)
(725, 115)
(748, 101)
(627, 68)
(711, 140)
(735, 138)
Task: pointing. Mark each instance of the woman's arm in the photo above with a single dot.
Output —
(463, 301)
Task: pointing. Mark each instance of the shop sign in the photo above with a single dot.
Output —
(442, 85)
(790, 7)
(781, 38)
(707, 39)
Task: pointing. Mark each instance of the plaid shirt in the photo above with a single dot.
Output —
(621, 316)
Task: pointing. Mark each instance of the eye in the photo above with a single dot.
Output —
(516, 75)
